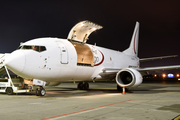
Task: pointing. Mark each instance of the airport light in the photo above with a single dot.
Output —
(170, 75)
(177, 75)
(163, 75)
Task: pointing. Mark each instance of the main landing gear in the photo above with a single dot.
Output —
(40, 91)
(83, 86)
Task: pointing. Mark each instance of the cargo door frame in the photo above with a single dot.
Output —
(85, 56)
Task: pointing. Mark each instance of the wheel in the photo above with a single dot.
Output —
(86, 86)
(42, 91)
(119, 88)
(9, 91)
(83, 86)
(37, 92)
(80, 86)
(127, 90)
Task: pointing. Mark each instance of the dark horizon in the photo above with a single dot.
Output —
(159, 24)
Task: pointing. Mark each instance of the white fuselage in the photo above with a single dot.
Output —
(63, 60)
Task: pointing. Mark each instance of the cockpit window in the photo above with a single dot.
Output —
(39, 48)
(36, 48)
(42, 48)
(32, 47)
(27, 47)
(19, 47)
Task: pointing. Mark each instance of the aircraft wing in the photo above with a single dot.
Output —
(158, 68)
(114, 71)
(155, 58)
(108, 73)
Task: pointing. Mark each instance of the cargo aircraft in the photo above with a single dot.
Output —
(51, 61)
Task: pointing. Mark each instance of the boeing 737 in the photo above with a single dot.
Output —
(54, 60)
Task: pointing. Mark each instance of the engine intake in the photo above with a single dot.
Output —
(128, 78)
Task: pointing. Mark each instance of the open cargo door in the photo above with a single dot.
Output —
(81, 31)
(85, 56)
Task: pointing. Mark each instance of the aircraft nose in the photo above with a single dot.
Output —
(15, 61)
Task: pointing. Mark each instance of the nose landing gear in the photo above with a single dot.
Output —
(40, 91)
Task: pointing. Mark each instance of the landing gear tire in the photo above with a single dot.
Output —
(86, 86)
(40, 92)
(80, 86)
(9, 91)
(119, 88)
(83, 86)
(37, 92)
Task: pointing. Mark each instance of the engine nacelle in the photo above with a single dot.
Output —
(128, 78)
(53, 83)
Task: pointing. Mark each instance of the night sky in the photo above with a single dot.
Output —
(24, 20)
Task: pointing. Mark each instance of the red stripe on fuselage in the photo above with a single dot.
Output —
(101, 60)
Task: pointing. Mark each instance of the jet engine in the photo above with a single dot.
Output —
(53, 83)
(128, 78)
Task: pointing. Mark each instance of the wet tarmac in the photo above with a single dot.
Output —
(151, 101)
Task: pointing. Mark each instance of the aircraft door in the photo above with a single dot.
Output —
(63, 53)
